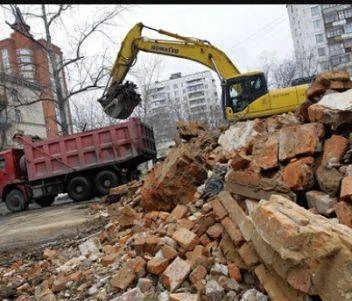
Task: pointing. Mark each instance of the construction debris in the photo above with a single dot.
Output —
(261, 211)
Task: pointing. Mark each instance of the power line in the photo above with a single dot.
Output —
(265, 28)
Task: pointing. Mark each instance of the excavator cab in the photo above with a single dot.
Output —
(242, 90)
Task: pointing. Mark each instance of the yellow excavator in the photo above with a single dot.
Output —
(244, 95)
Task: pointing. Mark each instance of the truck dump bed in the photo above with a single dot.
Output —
(130, 141)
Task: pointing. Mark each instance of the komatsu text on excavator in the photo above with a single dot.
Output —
(244, 95)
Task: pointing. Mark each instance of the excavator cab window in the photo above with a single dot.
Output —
(242, 91)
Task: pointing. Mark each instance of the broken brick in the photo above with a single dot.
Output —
(197, 275)
(232, 230)
(157, 265)
(187, 239)
(234, 272)
(218, 209)
(299, 174)
(344, 213)
(215, 230)
(304, 139)
(178, 212)
(168, 252)
(346, 189)
(248, 254)
(334, 149)
(175, 274)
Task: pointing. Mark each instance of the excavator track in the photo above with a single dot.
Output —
(120, 100)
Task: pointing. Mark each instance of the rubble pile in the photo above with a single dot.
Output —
(261, 211)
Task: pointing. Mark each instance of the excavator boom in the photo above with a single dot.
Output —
(120, 99)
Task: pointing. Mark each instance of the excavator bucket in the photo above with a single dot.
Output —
(120, 100)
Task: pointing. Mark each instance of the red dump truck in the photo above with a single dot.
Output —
(83, 165)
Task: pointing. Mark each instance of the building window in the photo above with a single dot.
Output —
(348, 43)
(315, 10)
(18, 115)
(14, 95)
(24, 51)
(321, 51)
(175, 86)
(336, 49)
(27, 74)
(333, 32)
(331, 17)
(317, 24)
(348, 28)
(6, 61)
(319, 38)
(344, 14)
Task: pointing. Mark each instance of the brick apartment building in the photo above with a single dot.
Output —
(24, 58)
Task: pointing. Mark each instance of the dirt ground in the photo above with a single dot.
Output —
(46, 225)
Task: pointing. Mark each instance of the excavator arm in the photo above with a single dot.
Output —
(120, 99)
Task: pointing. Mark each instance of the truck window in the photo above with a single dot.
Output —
(2, 163)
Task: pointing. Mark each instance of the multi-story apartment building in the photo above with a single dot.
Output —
(23, 57)
(326, 31)
(189, 97)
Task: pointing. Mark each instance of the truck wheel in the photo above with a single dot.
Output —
(105, 180)
(45, 201)
(15, 201)
(79, 189)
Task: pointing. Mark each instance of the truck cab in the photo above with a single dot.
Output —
(12, 186)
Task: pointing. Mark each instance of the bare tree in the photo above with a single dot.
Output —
(89, 115)
(307, 64)
(146, 73)
(284, 72)
(267, 61)
(85, 73)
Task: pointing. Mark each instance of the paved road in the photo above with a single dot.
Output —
(38, 226)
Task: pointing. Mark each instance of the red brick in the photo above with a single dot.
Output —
(238, 162)
(234, 272)
(215, 230)
(76, 276)
(319, 113)
(232, 230)
(248, 254)
(276, 287)
(204, 240)
(187, 239)
(334, 149)
(196, 257)
(236, 214)
(197, 275)
(178, 212)
(175, 274)
(265, 154)
(346, 189)
(344, 213)
(49, 254)
(299, 174)
(218, 209)
(157, 265)
(108, 249)
(244, 177)
(108, 259)
(174, 181)
(305, 139)
(168, 252)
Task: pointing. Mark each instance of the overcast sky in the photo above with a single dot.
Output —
(243, 32)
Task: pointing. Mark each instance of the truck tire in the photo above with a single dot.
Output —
(105, 180)
(45, 201)
(79, 189)
(15, 201)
